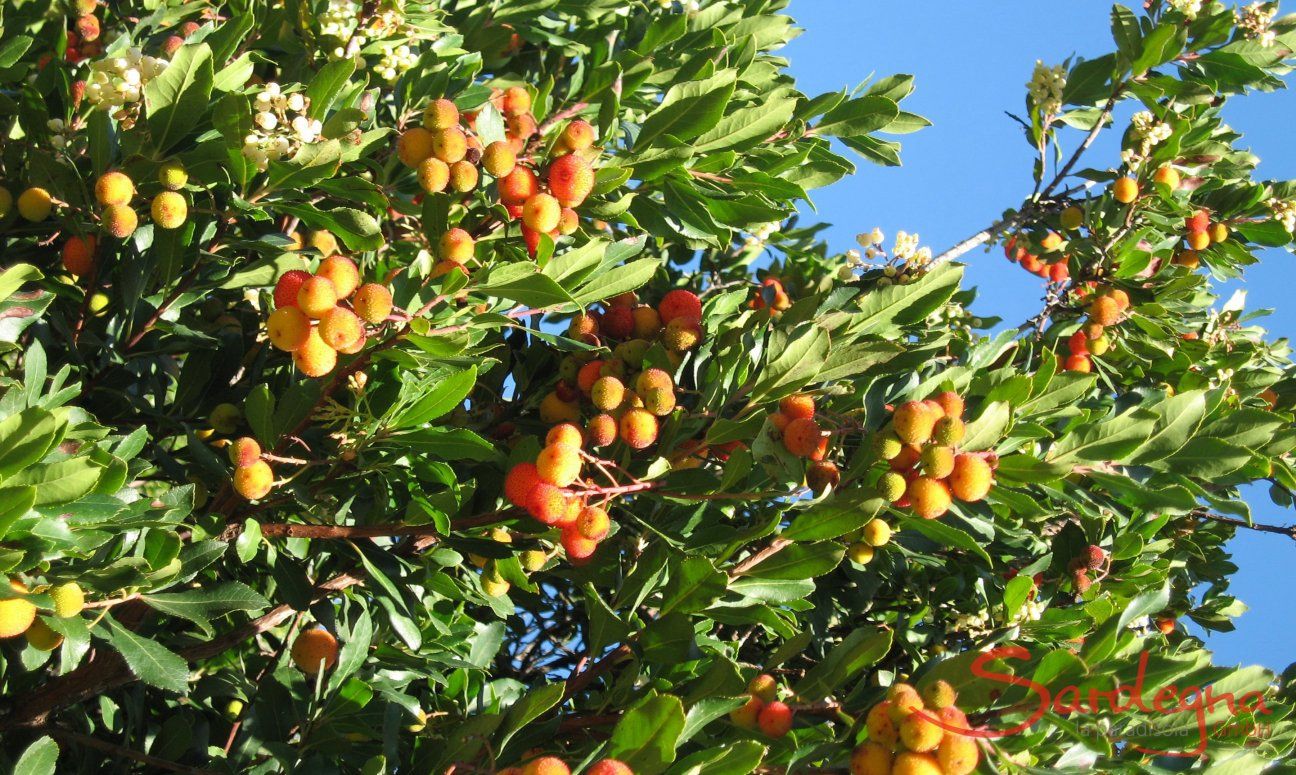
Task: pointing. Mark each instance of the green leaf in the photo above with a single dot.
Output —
(688, 109)
(444, 396)
(836, 516)
(646, 736)
(148, 660)
(987, 430)
(1108, 440)
(858, 117)
(900, 305)
(13, 49)
(15, 277)
(946, 534)
(1177, 420)
(793, 365)
(178, 98)
(61, 482)
(523, 284)
(621, 279)
(200, 605)
(25, 438)
(39, 758)
(800, 561)
(747, 126)
(862, 648)
(14, 503)
(694, 586)
(327, 84)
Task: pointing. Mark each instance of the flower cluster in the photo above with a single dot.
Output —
(1145, 132)
(760, 235)
(63, 136)
(1254, 22)
(1189, 8)
(345, 20)
(282, 126)
(395, 61)
(119, 81)
(1046, 85)
(1284, 212)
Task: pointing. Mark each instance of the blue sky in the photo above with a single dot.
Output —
(971, 65)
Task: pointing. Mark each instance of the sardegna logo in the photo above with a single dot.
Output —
(1136, 700)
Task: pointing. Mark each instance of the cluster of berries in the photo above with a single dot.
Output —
(552, 765)
(18, 614)
(493, 582)
(446, 152)
(862, 544)
(802, 435)
(927, 470)
(771, 294)
(114, 191)
(1046, 262)
(912, 734)
(253, 478)
(320, 315)
(1093, 559)
(542, 488)
(1105, 309)
(763, 710)
(626, 398)
(1201, 234)
(84, 36)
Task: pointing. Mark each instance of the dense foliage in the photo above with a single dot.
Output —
(474, 352)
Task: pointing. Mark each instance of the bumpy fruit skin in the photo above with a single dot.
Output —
(169, 210)
(16, 614)
(679, 303)
(1071, 218)
(914, 422)
(920, 733)
(801, 437)
(682, 334)
(35, 204)
(225, 418)
(516, 101)
(316, 296)
(578, 135)
(342, 272)
(571, 179)
(372, 302)
(172, 175)
(881, 728)
(68, 599)
(609, 767)
(114, 188)
(949, 431)
(647, 322)
(78, 254)
(314, 650)
(958, 754)
(971, 479)
(1168, 176)
(449, 145)
(1189, 258)
(822, 475)
(601, 430)
(891, 486)
(1219, 232)
(541, 212)
(413, 146)
(1104, 310)
(1125, 190)
(315, 358)
(559, 464)
(876, 533)
(870, 758)
(553, 409)
(433, 175)
(41, 637)
(1078, 363)
(764, 687)
(340, 328)
(937, 462)
(860, 553)
(244, 451)
(798, 405)
(119, 220)
(577, 546)
(746, 715)
(617, 322)
(288, 328)
(520, 483)
(456, 245)
(498, 159)
(607, 393)
(775, 719)
(912, 763)
(568, 221)
(1199, 240)
(638, 428)
(593, 523)
(254, 481)
(518, 186)
(951, 403)
(929, 498)
(286, 288)
(565, 433)
(440, 114)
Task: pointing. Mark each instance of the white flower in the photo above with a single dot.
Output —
(1046, 86)
(1254, 21)
(267, 120)
(296, 102)
(845, 274)
(272, 89)
(1189, 8)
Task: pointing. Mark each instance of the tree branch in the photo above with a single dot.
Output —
(1282, 530)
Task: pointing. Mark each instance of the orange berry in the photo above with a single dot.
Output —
(554, 409)
(971, 478)
(647, 322)
(577, 546)
(763, 686)
(568, 221)
(449, 145)
(340, 328)
(1168, 176)
(114, 188)
(498, 159)
(958, 754)
(541, 212)
(928, 497)
(1078, 362)
(463, 176)
(78, 254)
(314, 357)
(578, 135)
(798, 405)
(913, 763)
(1199, 240)
(1104, 311)
(440, 114)
(169, 210)
(244, 451)
(16, 614)
(871, 758)
(316, 296)
(914, 422)
(1187, 258)
(456, 245)
(433, 175)
(679, 303)
(559, 464)
(288, 328)
(638, 428)
(571, 179)
(342, 272)
(881, 727)
(547, 503)
(120, 221)
(802, 436)
(565, 433)
(518, 186)
(517, 100)
(413, 146)
(314, 650)
(775, 719)
(1125, 190)
(609, 767)
(593, 523)
(372, 302)
(520, 483)
(254, 481)
(601, 430)
(682, 334)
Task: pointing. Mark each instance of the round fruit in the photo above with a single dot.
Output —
(1167, 176)
(342, 272)
(1125, 190)
(172, 175)
(518, 186)
(957, 754)
(78, 254)
(255, 481)
(520, 483)
(35, 204)
(41, 637)
(929, 498)
(114, 188)
(638, 428)
(16, 614)
(577, 546)
(68, 599)
(119, 220)
(802, 437)
(971, 478)
(593, 523)
(919, 733)
(169, 210)
(290, 282)
(314, 650)
(860, 553)
(498, 159)
(340, 328)
(456, 245)
(433, 175)
(440, 114)
(775, 719)
(609, 767)
(647, 322)
(571, 179)
(517, 100)
(316, 296)
(891, 486)
(746, 715)
(876, 533)
(937, 462)
(244, 451)
(871, 758)
(679, 303)
(601, 430)
(798, 405)
(912, 763)
(288, 328)
(372, 302)
(315, 358)
(881, 728)
(914, 422)
(449, 145)
(413, 146)
(559, 464)
(541, 212)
